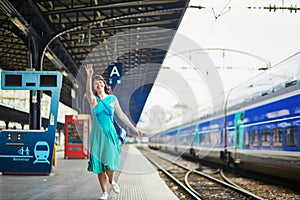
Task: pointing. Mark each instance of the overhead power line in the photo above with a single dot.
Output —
(275, 8)
(292, 8)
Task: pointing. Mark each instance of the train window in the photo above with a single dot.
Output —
(266, 135)
(291, 136)
(247, 138)
(42, 147)
(255, 138)
(214, 138)
(277, 137)
(291, 82)
(205, 140)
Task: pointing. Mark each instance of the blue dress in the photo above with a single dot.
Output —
(105, 150)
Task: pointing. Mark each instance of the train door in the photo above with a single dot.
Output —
(239, 130)
(196, 142)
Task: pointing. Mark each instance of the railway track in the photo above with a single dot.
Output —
(196, 184)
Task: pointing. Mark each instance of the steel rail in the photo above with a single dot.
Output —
(229, 181)
(188, 184)
(232, 187)
(174, 179)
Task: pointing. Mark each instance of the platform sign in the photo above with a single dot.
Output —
(30, 151)
(114, 72)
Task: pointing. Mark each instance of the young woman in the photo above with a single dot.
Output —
(105, 150)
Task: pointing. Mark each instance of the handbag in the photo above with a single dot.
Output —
(120, 131)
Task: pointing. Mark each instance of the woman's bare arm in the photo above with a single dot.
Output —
(89, 92)
(124, 118)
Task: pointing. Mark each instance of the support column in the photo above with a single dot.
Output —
(6, 124)
(35, 110)
(35, 96)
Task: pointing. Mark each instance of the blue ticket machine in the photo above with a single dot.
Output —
(30, 151)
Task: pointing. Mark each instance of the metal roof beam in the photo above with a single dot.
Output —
(111, 5)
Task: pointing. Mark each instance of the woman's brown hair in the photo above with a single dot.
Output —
(107, 88)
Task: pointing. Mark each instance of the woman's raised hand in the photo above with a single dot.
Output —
(89, 69)
(138, 132)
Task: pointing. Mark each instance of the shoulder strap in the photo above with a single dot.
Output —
(108, 111)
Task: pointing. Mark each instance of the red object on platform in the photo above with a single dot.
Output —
(77, 129)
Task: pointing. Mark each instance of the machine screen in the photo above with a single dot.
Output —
(48, 81)
(13, 80)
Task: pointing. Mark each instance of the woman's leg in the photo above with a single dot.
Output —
(102, 181)
(110, 175)
(114, 185)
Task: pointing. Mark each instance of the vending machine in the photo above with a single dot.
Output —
(77, 129)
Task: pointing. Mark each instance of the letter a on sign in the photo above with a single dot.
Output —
(114, 73)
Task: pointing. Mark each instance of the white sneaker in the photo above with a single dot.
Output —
(115, 187)
(104, 196)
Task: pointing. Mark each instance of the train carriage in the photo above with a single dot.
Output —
(258, 129)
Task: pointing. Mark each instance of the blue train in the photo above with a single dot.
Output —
(257, 129)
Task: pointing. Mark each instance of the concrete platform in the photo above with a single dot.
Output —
(137, 179)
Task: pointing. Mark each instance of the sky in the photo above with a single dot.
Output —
(272, 35)
(252, 38)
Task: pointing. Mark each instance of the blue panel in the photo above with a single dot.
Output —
(30, 152)
(280, 113)
(26, 152)
(137, 101)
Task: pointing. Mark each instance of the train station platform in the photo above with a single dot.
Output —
(137, 178)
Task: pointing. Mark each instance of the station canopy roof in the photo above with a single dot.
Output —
(64, 35)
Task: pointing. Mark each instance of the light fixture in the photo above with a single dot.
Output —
(89, 35)
(99, 15)
(49, 55)
(75, 85)
(65, 73)
(73, 93)
(18, 24)
(54, 59)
